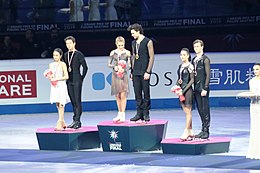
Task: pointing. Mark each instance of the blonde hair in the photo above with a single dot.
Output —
(119, 39)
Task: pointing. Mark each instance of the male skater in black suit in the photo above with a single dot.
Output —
(201, 87)
(74, 59)
(142, 63)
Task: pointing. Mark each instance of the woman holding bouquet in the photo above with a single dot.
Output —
(119, 61)
(185, 80)
(59, 92)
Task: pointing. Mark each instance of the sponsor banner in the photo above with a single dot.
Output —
(230, 73)
(73, 26)
(18, 84)
(231, 76)
(148, 24)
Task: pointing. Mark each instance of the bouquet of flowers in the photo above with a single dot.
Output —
(121, 68)
(176, 89)
(49, 74)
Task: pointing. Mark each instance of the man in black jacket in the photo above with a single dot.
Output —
(74, 59)
(201, 87)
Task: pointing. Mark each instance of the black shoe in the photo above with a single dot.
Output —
(146, 118)
(71, 125)
(199, 135)
(205, 135)
(136, 118)
(77, 125)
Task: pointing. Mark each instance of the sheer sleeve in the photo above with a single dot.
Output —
(151, 56)
(190, 82)
(207, 71)
(128, 60)
(178, 75)
(111, 63)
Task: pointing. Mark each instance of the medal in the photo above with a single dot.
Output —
(69, 60)
(136, 56)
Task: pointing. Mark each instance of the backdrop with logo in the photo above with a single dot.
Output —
(24, 89)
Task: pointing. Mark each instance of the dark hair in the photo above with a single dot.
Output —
(198, 41)
(188, 52)
(59, 50)
(136, 27)
(257, 64)
(70, 38)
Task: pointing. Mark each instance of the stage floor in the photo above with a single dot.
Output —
(19, 150)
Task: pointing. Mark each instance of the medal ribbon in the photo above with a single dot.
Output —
(56, 68)
(137, 46)
(70, 58)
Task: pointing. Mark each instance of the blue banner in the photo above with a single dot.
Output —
(231, 76)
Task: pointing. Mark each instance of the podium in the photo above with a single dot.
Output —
(86, 137)
(196, 146)
(132, 136)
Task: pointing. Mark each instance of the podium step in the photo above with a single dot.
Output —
(196, 146)
(132, 136)
(86, 137)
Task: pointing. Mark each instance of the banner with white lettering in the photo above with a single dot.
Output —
(18, 84)
(173, 23)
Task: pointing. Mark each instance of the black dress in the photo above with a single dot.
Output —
(185, 81)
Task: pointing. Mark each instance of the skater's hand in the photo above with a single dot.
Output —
(179, 93)
(146, 76)
(116, 68)
(131, 76)
(203, 93)
(53, 79)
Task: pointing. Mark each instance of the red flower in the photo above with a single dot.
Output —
(49, 74)
(121, 68)
(176, 89)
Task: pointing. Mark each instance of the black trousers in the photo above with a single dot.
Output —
(203, 109)
(74, 90)
(142, 94)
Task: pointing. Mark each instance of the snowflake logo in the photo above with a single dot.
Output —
(113, 134)
(233, 39)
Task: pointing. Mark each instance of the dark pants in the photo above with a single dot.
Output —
(142, 94)
(74, 90)
(203, 109)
